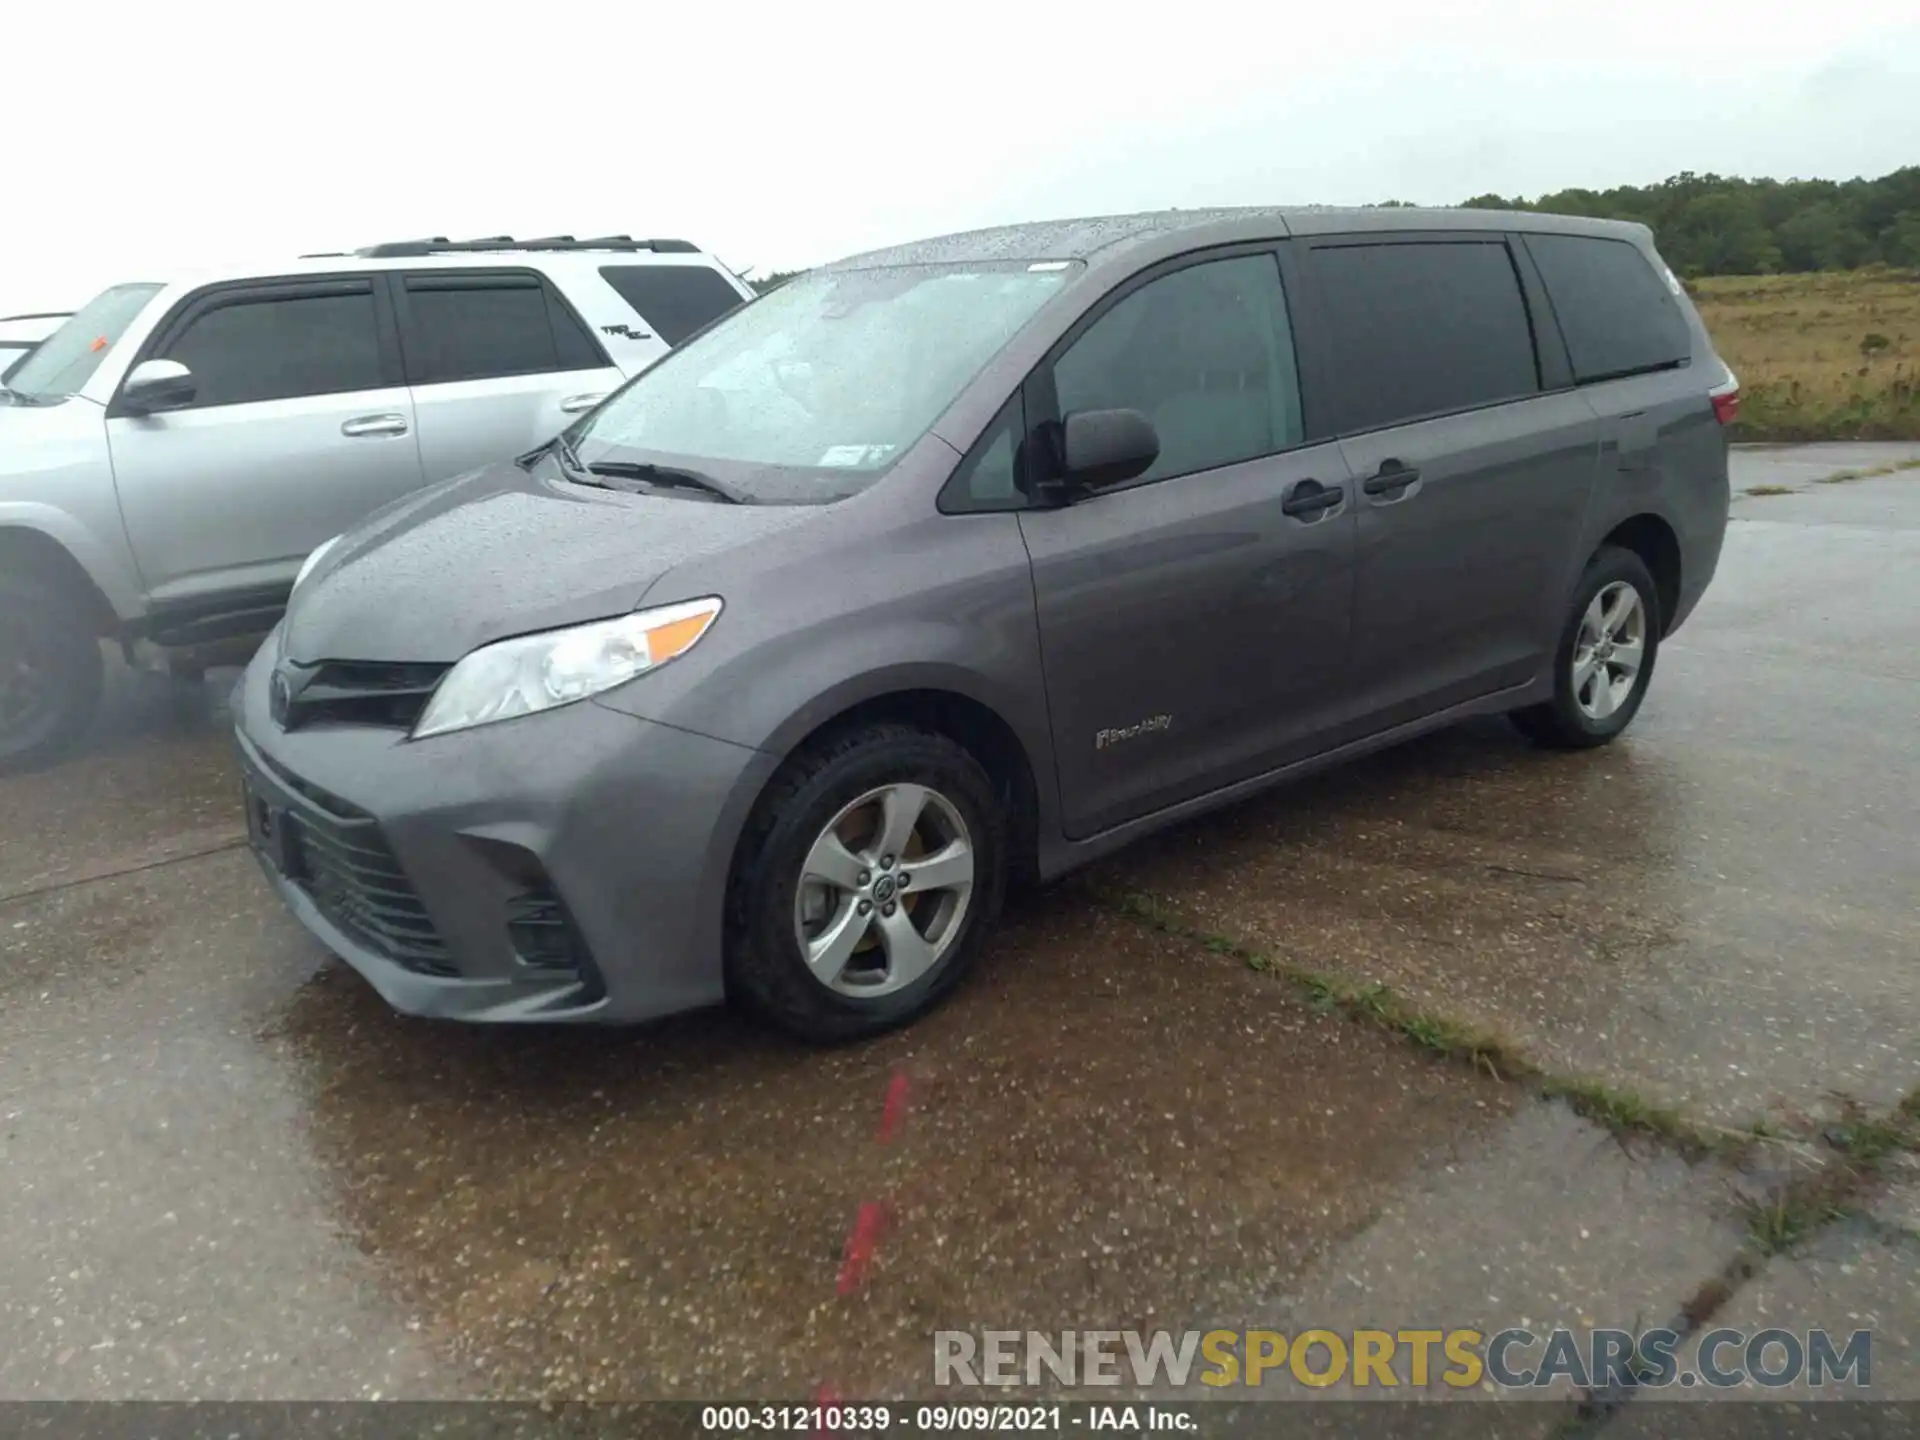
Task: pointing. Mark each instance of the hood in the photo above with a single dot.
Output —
(22, 421)
(37, 441)
(499, 553)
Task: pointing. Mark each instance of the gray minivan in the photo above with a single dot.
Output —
(966, 562)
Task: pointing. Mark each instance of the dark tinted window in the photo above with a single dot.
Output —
(577, 350)
(1205, 353)
(277, 348)
(478, 329)
(1616, 312)
(1423, 329)
(673, 300)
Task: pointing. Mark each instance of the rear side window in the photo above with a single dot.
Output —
(1422, 329)
(489, 327)
(575, 348)
(281, 347)
(674, 300)
(1616, 313)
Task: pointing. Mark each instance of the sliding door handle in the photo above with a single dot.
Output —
(1390, 479)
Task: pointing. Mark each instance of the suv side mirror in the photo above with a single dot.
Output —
(156, 385)
(1106, 447)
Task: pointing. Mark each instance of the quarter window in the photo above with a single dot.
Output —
(1618, 316)
(1205, 353)
(989, 479)
(281, 347)
(673, 300)
(1418, 329)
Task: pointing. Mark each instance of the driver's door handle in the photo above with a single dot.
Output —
(375, 425)
(1309, 498)
(575, 404)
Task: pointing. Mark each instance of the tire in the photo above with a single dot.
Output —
(1580, 716)
(848, 782)
(51, 673)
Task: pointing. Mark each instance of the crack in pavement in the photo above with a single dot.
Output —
(1824, 1196)
(33, 890)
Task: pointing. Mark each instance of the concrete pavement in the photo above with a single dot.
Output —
(232, 1172)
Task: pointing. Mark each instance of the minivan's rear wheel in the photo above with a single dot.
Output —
(50, 670)
(865, 883)
(1605, 657)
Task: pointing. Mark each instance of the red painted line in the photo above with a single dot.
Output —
(868, 1226)
(895, 1110)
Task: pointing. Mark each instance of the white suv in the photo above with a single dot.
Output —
(171, 455)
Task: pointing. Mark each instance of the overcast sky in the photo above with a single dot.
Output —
(143, 136)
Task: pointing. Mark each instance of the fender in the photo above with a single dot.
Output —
(868, 663)
(108, 563)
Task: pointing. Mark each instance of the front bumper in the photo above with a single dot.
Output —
(420, 863)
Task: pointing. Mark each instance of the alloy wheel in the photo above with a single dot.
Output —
(884, 890)
(1610, 650)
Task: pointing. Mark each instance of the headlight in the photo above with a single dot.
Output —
(540, 672)
(306, 566)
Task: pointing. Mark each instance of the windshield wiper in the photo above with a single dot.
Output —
(568, 457)
(564, 455)
(669, 477)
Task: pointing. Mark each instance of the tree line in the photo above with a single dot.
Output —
(1724, 225)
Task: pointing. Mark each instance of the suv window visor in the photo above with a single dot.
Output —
(822, 384)
(67, 358)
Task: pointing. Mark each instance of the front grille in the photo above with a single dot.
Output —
(338, 856)
(353, 878)
(355, 692)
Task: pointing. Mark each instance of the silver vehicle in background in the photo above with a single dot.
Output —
(172, 454)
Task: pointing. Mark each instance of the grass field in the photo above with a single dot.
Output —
(1830, 356)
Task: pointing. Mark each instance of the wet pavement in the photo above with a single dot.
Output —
(231, 1172)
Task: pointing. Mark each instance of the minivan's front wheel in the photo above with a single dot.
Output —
(50, 670)
(866, 882)
(1604, 660)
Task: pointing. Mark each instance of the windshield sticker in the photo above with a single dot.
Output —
(854, 456)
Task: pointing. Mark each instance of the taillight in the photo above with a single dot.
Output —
(1726, 399)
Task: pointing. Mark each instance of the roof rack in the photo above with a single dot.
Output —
(441, 245)
(38, 315)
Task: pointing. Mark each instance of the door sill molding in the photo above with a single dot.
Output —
(1062, 854)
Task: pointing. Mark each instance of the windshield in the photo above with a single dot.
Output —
(816, 388)
(73, 352)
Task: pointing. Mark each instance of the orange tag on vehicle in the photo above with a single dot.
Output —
(99, 343)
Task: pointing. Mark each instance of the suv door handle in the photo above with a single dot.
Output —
(575, 404)
(1391, 478)
(1309, 498)
(375, 425)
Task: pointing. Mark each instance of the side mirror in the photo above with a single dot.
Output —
(156, 385)
(1106, 447)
